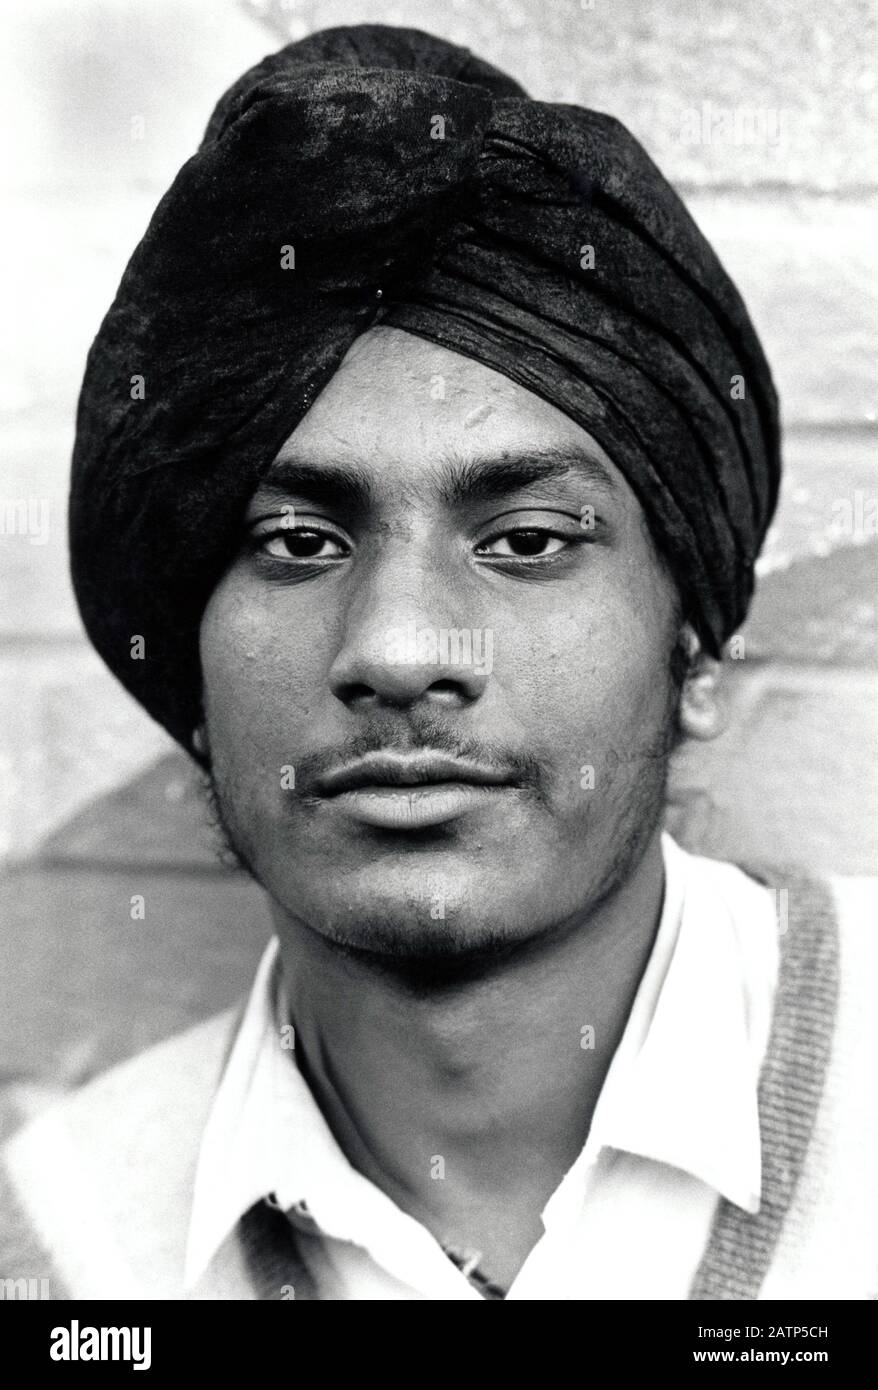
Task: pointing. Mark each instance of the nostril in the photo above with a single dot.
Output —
(445, 687)
(355, 692)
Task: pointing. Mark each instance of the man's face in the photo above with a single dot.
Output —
(441, 564)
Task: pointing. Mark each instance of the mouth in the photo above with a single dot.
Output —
(412, 792)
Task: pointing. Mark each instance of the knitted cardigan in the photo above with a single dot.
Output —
(96, 1192)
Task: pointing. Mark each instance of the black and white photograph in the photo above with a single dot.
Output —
(439, 667)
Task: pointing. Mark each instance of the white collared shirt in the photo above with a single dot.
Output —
(676, 1125)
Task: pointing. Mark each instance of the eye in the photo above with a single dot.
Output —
(525, 543)
(300, 543)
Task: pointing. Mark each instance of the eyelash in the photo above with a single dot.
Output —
(532, 561)
(259, 542)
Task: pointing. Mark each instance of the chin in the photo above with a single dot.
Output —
(413, 914)
(446, 906)
(424, 956)
(425, 921)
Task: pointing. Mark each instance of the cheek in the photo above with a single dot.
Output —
(597, 667)
(260, 669)
(588, 687)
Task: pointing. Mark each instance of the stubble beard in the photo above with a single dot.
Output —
(438, 956)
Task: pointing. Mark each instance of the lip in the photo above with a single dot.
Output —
(409, 792)
(413, 808)
(409, 770)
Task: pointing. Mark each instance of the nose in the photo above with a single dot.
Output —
(408, 636)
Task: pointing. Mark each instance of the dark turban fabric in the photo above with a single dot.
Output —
(332, 147)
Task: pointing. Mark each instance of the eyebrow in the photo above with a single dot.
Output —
(486, 480)
(459, 480)
(328, 485)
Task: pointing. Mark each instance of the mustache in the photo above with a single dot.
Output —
(422, 735)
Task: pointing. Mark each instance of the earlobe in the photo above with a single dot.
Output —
(701, 713)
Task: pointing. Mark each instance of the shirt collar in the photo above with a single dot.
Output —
(266, 1136)
(681, 1089)
(232, 1171)
(683, 1085)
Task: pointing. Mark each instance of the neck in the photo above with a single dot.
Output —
(468, 1104)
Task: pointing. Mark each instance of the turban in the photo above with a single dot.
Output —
(372, 174)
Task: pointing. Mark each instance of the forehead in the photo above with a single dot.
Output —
(403, 406)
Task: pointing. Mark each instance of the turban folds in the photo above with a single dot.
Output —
(411, 182)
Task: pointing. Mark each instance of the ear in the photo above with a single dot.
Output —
(199, 741)
(701, 713)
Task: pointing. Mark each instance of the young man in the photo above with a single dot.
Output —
(424, 458)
